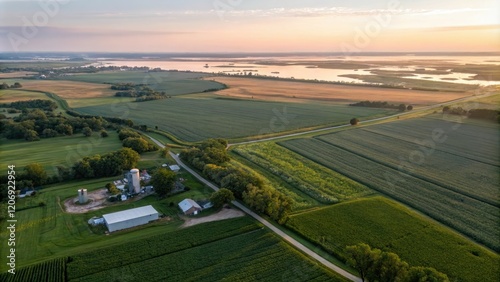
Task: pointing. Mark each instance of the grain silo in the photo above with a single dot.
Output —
(134, 181)
(82, 196)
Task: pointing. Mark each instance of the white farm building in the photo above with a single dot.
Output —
(130, 218)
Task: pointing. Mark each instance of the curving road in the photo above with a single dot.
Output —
(277, 231)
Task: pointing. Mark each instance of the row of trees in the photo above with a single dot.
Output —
(485, 114)
(35, 124)
(376, 265)
(139, 91)
(109, 164)
(6, 86)
(212, 159)
(381, 104)
(46, 105)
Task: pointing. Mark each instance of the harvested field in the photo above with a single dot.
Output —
(70, 89)
(16, 74)
(269, 89)
(12, 95)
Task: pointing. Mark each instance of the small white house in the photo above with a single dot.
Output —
(189, 207)
(174, 168)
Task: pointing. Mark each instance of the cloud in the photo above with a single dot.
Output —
(465, 28)
(63, 31)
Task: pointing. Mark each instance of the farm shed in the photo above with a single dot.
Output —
(130, 218)
(189, 207)
(174, 168)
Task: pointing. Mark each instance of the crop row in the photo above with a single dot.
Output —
(254, 256)
(318, 182)
(386, 225)
(476, 179)
(127, 253)
(471, 217)
(51, 270)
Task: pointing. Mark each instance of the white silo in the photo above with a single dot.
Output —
(134, 181)
(82, 196)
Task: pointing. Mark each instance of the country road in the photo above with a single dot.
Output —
(265, 222)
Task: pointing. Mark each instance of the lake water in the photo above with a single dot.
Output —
(249, 65)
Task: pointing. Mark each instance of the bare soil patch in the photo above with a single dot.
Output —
(97, 200)
(70, 89)
(269, 89)
(223, 214)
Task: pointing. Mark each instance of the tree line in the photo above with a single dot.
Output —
(212, 159)
(383, 105)
(6, 86)
(135, 141)
(140, 91)
(485, 114)
(375, 265)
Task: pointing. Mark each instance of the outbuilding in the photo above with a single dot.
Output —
(130, 218)
(189, 207)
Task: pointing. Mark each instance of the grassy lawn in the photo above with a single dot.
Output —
(197, 117)
(57, 151)
(384, 224)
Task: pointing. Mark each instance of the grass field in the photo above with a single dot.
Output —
(384, 224)
(173, 83)
(443, 196)
(12, 95)
(318, 182)
(57, 151)
(269, 89)
(197, 117)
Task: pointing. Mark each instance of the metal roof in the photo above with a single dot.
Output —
(129, 214)
(186, 204)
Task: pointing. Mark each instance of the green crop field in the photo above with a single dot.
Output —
(469, 210)
(57, 151)
(235, 249)
(318, 182)
(389, 226)
(198, 117)
(173, 83)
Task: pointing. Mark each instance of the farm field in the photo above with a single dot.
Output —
(173, 83)
(16, 74)
(239, 249)
(271, 89)
(318, 182)
(471, 212)
(384, 224)
(12, 95)
(198, 117)
(57, 151)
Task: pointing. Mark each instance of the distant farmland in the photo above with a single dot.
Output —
(455, 184)
(197, 117)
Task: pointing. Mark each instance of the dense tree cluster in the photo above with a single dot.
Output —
(110, 164)
(376, 265)
(383, 105)
(46, 105)
(139, 91)
(35, 124)
(221, 197)
(211, 158)
(486, 114)
(163, 181)
(6, 86)
(135, 141)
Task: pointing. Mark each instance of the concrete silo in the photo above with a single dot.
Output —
(82, 196)
(134, 181)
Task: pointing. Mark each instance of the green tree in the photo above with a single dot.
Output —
(137, 144)
(425, 274)
(165, 152)
(409, 108)
(402, 107)
(388, 268)
(362, 258)
(36, 173)
(65, 129)
(354, 121)
(87, 131)
(31, 135)
(221, 197)
(104, 133)
(163, 181)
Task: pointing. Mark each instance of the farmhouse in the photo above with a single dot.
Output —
(189, 207)
(130, 218)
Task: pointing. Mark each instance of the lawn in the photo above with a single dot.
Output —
(455, 199)
(198, 117)
(389, 226)
(57, 151)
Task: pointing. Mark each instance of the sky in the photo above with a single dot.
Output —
(249, 26)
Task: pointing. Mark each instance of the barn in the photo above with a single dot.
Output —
(189, 207)
(130, 218)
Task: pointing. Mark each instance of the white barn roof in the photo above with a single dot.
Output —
(174, 168)
(129, 214)
(186, 204)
